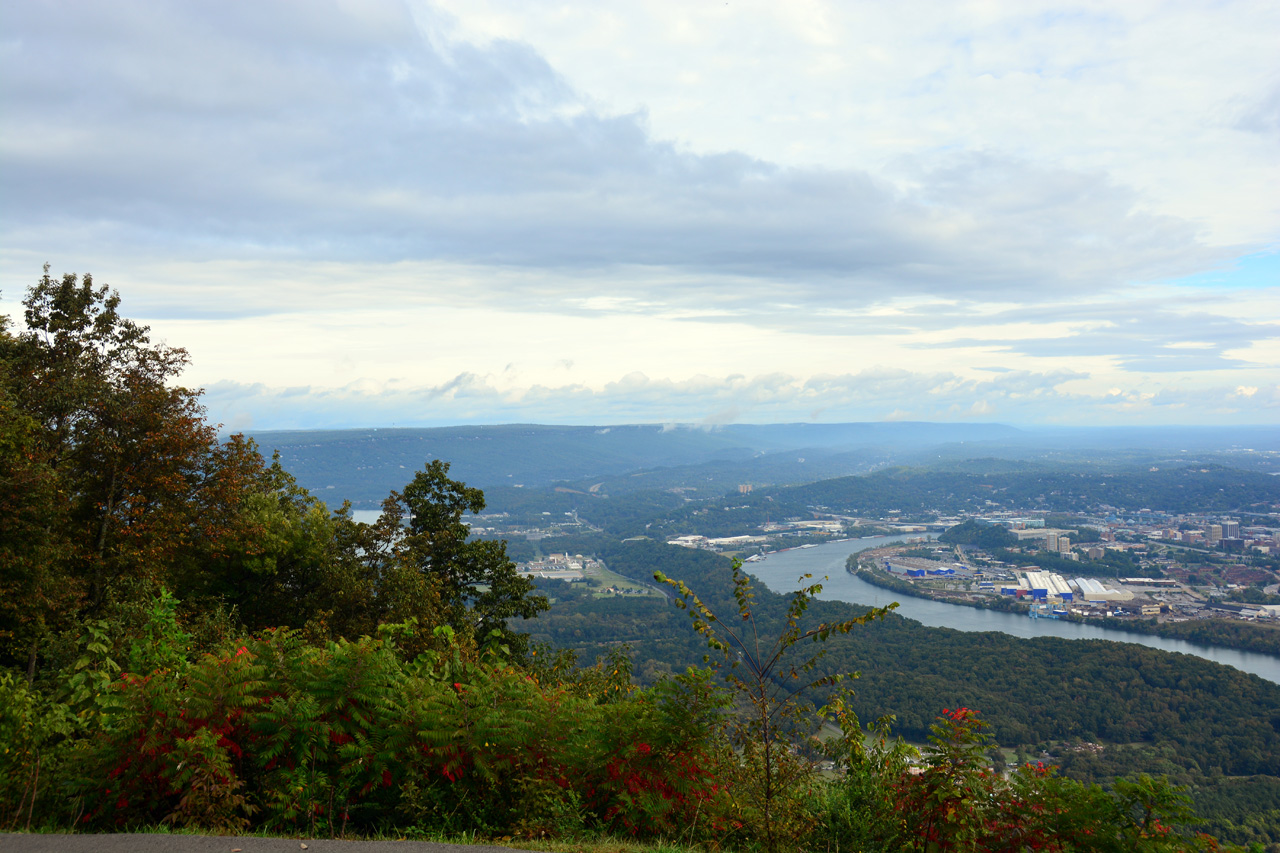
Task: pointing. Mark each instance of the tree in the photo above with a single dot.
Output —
(476, 585)
(297, 565)
(982, 536)
(113, 486)
(30, 599)
(128, 483)
(301, 566)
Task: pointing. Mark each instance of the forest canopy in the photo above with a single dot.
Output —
(114, 486)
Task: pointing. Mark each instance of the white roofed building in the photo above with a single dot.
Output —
(1093, 590)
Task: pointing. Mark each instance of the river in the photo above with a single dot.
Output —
(781, 571)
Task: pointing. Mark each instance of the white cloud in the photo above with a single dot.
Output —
(1177, 100)
(374, 144)
(661, 211)
(869, 395)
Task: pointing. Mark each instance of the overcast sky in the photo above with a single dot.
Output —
(369, 212)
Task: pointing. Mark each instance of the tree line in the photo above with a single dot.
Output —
(189, 638)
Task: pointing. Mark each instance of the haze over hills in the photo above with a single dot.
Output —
(364, 465)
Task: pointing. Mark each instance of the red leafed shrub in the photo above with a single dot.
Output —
(952, 801)
(278, 734)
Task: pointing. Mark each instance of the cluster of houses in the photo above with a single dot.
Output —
(1224, 534)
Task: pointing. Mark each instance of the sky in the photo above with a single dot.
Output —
(359, 213)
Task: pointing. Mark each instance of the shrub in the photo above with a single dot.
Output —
(953, 801)
(277, 734)
(34, 737)
(772, 783)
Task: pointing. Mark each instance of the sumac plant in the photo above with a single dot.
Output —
(273, 733)
(946, 797)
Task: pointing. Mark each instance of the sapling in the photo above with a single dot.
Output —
(769, 679)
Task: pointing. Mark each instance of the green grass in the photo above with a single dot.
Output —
(587, 844)
(604, 578)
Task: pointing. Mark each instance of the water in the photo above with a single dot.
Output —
(781, 571)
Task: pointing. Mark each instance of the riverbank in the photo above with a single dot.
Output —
(784, 573)
(1221, 633)
(1224, 633)
(884, 580)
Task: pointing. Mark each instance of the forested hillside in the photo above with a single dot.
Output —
(189, 638)
(1031, 691)
(1183, 489)
(1144, 710)
(907, 493)
(363, 465)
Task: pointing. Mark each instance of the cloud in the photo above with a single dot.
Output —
(1156, 341)
(869, 395)
(1263, 116)
(332, 132)
(332, 194)
(846, 85)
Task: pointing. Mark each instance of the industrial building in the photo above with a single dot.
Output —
(1049, 586)
(1046, 584)
(1092, 590)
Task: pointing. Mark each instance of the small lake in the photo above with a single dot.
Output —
(781, 571)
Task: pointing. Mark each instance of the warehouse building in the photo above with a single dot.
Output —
(1092, 590)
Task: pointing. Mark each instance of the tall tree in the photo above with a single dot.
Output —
(135, 483)
(477, 585)
(32, 597)
(112, 484)
(299, 565)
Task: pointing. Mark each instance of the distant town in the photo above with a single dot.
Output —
(1144, 565)
(1181, 567)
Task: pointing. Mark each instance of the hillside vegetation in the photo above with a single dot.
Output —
(188, 638)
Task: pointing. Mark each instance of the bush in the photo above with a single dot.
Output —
(34, 737)
(279, 735)
(953, 801)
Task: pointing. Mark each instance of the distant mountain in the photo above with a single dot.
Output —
(1186, 489)
(364, 465)
(897, 434)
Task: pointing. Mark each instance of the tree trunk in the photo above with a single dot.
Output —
(101, 545)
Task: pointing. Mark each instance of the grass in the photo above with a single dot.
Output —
(599, 844)
(603, 578)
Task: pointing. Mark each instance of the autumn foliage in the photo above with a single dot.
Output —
(187, 638)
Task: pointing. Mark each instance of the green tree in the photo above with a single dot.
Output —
(31, 597)
(476, 585)
(115, 487)
(296, 565)
(118, 484)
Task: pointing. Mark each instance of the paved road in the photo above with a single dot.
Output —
(150, 843)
